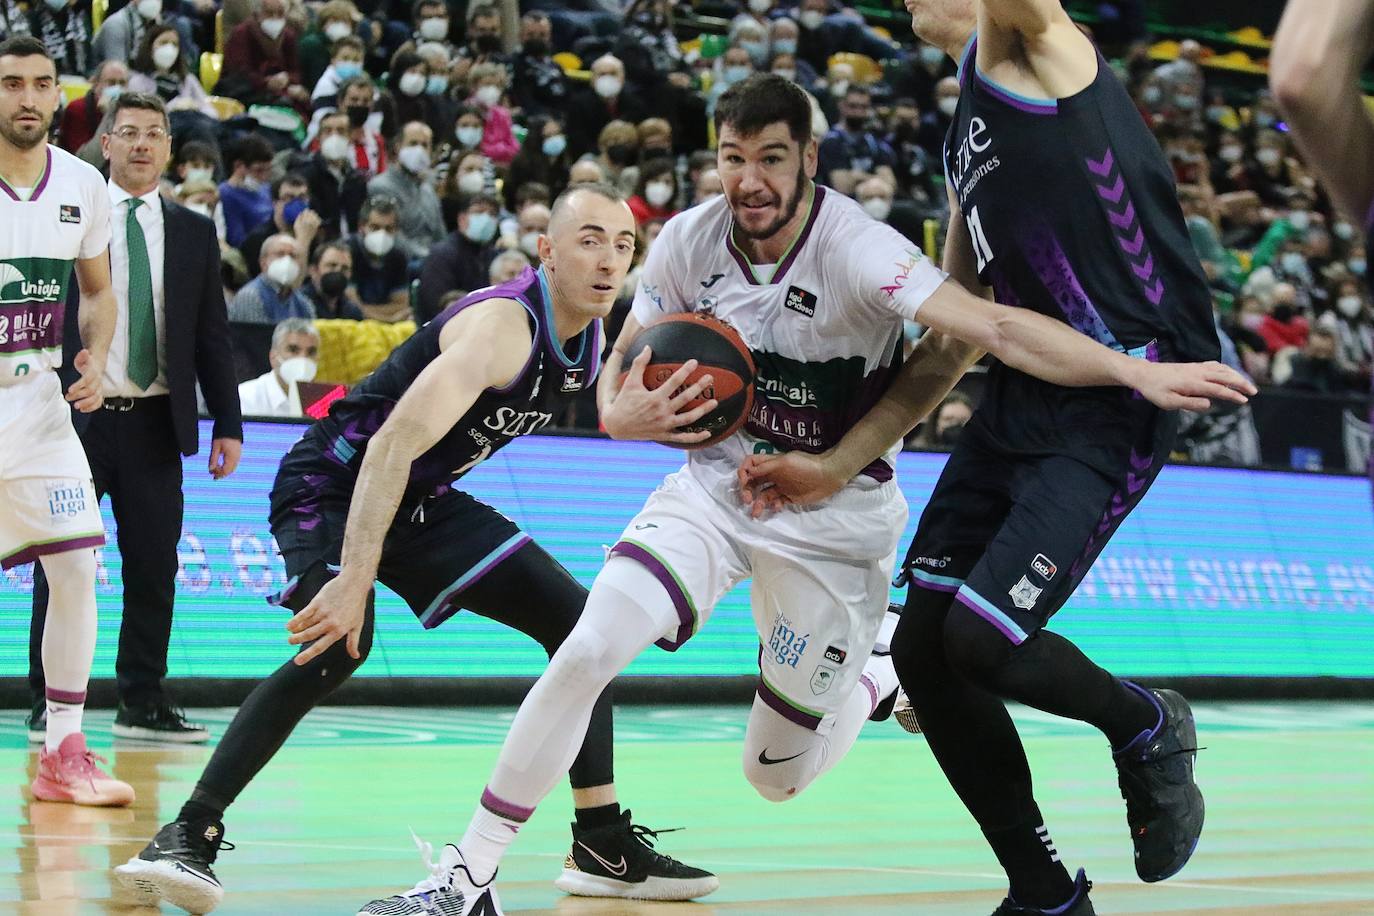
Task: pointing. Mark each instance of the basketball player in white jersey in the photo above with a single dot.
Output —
(54, 216)
(818, 290)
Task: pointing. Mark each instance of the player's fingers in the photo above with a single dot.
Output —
(1195, 404)
(688, 438)
(320, 630)
(304, 617)
(689, 393)
(636, 376)
(678, 379)
(354, 636)
(688, 417)
(314, 650)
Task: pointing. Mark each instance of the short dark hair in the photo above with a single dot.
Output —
(24, 46)
(136, 101)
(362, 79)
(655, 168)
(348, 41)
(379, 203)
(335, 245)
(249, 149)
(290, 178)
(762, 99)
(481, 198)
(483, 11)
(197, 151)
(421, 4)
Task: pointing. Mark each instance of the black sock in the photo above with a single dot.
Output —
(1028, 856)
(198, 812)
(1131, 713)
(600, 816)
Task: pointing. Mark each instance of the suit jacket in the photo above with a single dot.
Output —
(199, 346)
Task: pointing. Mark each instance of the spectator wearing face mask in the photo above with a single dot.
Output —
(597, 104)
(367, 149)
(543, 158)
(935, 122)
(1284, 325)
(202, 196)
(381, 274)
(538, 85)
(1276, 175)
(1251, 347)
(345, 63)
(81, 117)
(119, 35)
(469, 173)
(1349, 320)
(783, 35)
(945, 425)
(325, 289)
(912, 167)
(291, 215)
(619, 146)
(260, 63)
(407, 183)
(460, 261)
(1181, 82)
(486, 40)
(879, 201)
(734, 66)
(405, 96)
(245, 197)
(440, 97)
(488, 82)
(295, 349)
(925, 66)
(655, 141)
(522, 234)
(1315, 368)
(751, 35)
(854, 152)
(318, 49)
(430, 23)
(269, 297)
(159, 68)
(337, 189)
(655, 196)
(647, 44)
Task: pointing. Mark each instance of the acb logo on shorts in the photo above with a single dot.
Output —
(833, 654)
(1042, 565)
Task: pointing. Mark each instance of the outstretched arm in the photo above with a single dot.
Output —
(1314, 71)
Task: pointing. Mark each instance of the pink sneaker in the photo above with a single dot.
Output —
(72, 775)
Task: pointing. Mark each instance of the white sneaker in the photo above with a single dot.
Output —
(450, 890)
(905, 714)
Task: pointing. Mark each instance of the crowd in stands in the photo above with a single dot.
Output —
(377, 159)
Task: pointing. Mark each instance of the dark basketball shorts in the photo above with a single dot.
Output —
(434, 550)
(1011, 536)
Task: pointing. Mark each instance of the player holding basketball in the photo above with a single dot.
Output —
(1062, 202)
(494, 366)
(54, 216)
(818, 290)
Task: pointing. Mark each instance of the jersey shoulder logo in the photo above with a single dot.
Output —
(69, 213)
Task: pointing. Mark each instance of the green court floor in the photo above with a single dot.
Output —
(1290, 793)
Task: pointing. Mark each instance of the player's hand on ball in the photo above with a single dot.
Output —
(84, 393)
(1193, 386)
(769, 482)
(657, 415)
(337, 611)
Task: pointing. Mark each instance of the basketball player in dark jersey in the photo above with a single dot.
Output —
(1319, 51)
(365, 495)
(1062, 202)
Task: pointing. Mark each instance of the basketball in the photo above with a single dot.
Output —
(719, 352)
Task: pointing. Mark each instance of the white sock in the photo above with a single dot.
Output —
(879, 679)
(63, 719)
(885, 630)
(486, 840)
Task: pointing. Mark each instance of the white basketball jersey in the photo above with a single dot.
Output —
(824, 324)
(43, 231)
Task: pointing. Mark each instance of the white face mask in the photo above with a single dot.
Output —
(414, 159)
(469, 136)
(877, 207)
(529, 243)
(379, 243)
(334, 147)
(297, 369)
(1344, 231)
(1299, 220)
(1292, 262)
(165, 56)
(607, 86)
(149, 9)
(947, 105)
(658, 193)
(471, 182)
(759, 7)
(411, 83)
(811, 19)
(200, 174)
(272, 28)
(1350, 306)
(1231, 153)
(488, 95)
(1268, 156)
(434, 29)
(336, 30)
(283, 271)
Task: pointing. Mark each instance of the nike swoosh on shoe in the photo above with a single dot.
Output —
(617, 870)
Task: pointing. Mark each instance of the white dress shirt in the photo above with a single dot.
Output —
(264, 397)
(117, 383)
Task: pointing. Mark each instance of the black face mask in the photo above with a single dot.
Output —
(1283, 313)
(655, 152)
(951, 435)
(621, 154)
(333, 284)
(487, 44)
(536, 47)
(357, 115)
(855, 123)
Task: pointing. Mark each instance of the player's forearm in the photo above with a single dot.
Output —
(609, 382)
(935, 367)
(1052, 351)
(96, 319)
(1314, 71)
(377, 495)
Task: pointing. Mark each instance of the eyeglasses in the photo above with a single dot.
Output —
(131, 134)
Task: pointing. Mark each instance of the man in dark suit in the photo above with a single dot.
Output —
(171, 331)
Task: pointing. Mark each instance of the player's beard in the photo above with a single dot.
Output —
(25, 138)
(788, 208)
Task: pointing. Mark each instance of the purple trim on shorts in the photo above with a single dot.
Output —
(487, 564)
(872, 692)
(1016, 639)
(70, 697)
(34, 551)
(502, 808)
(684, 608)
(283, 596)
(786, 709)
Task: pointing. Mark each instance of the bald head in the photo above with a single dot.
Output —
(569, 206)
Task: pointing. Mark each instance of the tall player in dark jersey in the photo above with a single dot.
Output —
(1062, 202)
(494, 366)
(1319, 51)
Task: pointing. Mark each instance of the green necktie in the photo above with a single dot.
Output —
(142, 365)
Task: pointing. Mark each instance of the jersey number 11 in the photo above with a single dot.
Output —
(981, 249)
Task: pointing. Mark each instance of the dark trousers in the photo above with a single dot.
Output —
(134, 458)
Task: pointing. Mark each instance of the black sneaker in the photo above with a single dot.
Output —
(620, 861)
(883, 711)
(175, 867)
(37, 722)
(160, 721)
(1078, 905)
(1163, 805)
